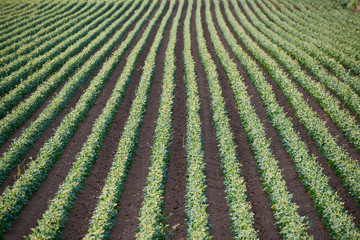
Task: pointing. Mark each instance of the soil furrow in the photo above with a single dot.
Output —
(31, 154)
(175, 185)
(74, 56)
(84, 206)
(334, 180)
(342, 104)
(126, 221)
(38, 203)
(260, 203)
(290, 175)
(219, 217)
(333, 129)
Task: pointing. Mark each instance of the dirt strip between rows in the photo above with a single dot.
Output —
(175, 185)
(334, 180)
(39, 201)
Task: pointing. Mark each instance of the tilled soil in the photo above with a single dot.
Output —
(126, 221)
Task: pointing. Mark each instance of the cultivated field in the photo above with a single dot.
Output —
(179, 119)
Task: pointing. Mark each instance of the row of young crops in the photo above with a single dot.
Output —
(50, 50)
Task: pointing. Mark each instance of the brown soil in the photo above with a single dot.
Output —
(126, 222)
(81, 213)
(219, 217)
(33, 151)
(334, 180)
(342, 105)
(294, 184)
(38, 203)
(296, 7)
(260, 203)
(332, 127)
(175, 185)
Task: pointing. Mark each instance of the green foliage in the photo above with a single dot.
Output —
(46, 44)
(21, 144)
(347, 168)
(102, 219)
(14, 198)
(196, 200)
(326, 200)
(151, 220)
(331, 105)
(241, 216)
(26, 78)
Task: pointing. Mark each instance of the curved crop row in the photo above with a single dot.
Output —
(13, 46)
(19, 83)
(26, 16)
(285, 211)
(10, 8)
(67, 27)
(21, 144)
(42, 66)
(102, 219)
(342, 52)
(24, 110)
(326, 200)
(62, 203)
(342, 90)
(196, 200)
(328, 13)
(15, 197)
(331, 105)
(240, 210)
(297, 37)
(330, 28)
(53, 17)
(17, 16)
(347, 168)
(151, 216)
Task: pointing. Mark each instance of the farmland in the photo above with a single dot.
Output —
(179, 119)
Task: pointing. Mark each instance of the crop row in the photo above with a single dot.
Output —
(16, 16)
(326, 200)
(26, 16)
(342, 52)
(340, 117)
(290, 33)
(32, 32)
(66, 195)
(12, 8)
(241, 216)
(106, 209)
(338, 15)
(332, 29)
(345, 19)
(331, 105)
(13, 46)
(346, 167)
(339, 88)
(43, 65)
(151, 220)
(20, 145)
(340, 24)
(63, 43)
(24, 110)
(66, 28)
(15, 197)
(285, 211)
(50, 62)
(196, 200)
